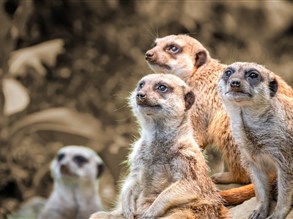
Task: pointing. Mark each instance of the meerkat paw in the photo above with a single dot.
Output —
(258, 214)
(279, 215)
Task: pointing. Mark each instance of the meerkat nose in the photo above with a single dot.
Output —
(140, 96)
(64, 169)
(235, 83)
(149, 56)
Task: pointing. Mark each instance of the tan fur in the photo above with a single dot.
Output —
(75, 171)
(193, 64)
(168, 175)
(262, 125)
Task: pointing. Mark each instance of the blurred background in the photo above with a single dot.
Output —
(68, 66)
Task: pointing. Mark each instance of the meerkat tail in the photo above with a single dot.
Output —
(236, 196)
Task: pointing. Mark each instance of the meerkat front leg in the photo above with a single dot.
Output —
(285, 195)
(262, 190)
(129, 195)
(178, 193)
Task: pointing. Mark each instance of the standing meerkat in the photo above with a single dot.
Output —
(262, 125)
(75, 171)
(187, 58)
(168, 175)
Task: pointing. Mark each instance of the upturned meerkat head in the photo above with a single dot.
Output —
(245, 83)
(162, 96)
(181, 55)
(76, 164)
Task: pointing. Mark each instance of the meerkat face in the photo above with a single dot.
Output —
(176, 54)
(161, 96)
(247, 83)
(76, 163)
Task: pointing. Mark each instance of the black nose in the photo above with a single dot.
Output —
(149, 56)
(140, 96)
(235, 83)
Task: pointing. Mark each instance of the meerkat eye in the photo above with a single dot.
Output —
(162, 88)
(253, 74)
(60, 157)
(228, 73)
(173, 49)
(141, 84)
(154, 44)
(80, 160)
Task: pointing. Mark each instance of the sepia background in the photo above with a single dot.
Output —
(68, 66)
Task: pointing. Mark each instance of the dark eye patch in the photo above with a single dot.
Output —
(227, 73)
(253, 77)
(172, 48)
(80, 160)
(141, 84)
(253, 74)
(163, 88)
(60, 157)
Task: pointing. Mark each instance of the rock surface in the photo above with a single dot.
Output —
(244, 210)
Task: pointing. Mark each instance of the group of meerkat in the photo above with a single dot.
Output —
(244, 110)
(192, 101)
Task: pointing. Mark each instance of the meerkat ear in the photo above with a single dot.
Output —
(200, 58)
(189, 100)
(273, 85)
(100, 169)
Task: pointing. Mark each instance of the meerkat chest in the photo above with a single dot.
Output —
(256, 141)
(155, 179)
(157, 174)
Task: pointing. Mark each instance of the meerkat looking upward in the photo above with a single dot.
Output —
(262, 125)
(75, 171)
(187, 58)
(168, 175)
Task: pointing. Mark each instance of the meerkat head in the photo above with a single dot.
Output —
(181, 55)
(75, 164)
(161, 96)
(247, 83)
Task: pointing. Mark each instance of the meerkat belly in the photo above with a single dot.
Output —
(156, 179)
(153, 182)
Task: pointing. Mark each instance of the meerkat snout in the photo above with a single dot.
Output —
(140, 97)
(149, 56)
(234, 83)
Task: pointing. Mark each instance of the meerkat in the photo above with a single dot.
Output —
(75, 171)
(168, 176)
(262, 125)
(187, 58)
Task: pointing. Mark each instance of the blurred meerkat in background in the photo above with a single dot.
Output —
(76, 171)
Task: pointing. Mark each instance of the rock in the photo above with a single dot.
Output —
(244, 210)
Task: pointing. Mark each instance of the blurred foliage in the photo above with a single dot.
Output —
(103, 58)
